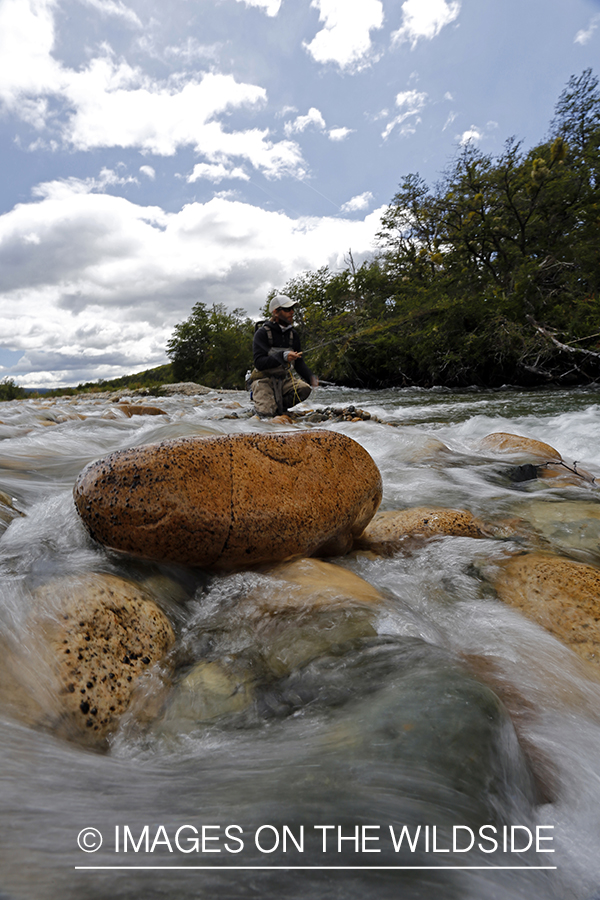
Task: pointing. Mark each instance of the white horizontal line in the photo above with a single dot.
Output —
(312, 868)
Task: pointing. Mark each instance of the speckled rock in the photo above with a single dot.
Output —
(388, 529)
(99, 633)
(561, 595)
(232, 501)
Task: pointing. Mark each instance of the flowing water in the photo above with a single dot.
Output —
(457, 714)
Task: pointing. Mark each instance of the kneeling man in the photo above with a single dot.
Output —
(280, 377)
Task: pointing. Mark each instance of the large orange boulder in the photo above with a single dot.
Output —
(233, 500)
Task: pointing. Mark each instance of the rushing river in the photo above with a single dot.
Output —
(403, 728)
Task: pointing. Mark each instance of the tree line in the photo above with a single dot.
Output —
(490, 276)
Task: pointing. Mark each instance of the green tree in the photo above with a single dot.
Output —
(212, 347)
(9, 390)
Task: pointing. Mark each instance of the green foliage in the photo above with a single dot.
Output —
(212, 347)
(10, 391)
(489, 277)
(150, 379)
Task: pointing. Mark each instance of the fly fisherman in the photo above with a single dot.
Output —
(277, 359)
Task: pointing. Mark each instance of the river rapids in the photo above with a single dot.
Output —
(460, 725)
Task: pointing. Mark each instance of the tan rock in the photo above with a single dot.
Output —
(561, 595)
(137, 409)
(318, 584)
(516, 445)
(234, 500)
(99, 634)
(386, 532)
(548, 462)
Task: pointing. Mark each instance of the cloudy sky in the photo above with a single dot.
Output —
(155, 154)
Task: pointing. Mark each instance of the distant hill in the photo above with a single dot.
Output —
(149, 378)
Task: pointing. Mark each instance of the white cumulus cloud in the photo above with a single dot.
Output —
(313, 118)
(345, 38)
(339, 134)
(132, 272)
(109, 103)
(473, 133)
(358, 203)
(217, 172)
(425, 19)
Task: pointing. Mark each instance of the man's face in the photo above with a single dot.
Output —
(284, 316)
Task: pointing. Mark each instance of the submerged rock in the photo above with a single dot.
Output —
(567, 525)
(232, 501)
(386, 532)
(561, 595)
(309, 608)
(412, 706)
(99, 633)
(8, 511)
(281, 620)
(209, 691)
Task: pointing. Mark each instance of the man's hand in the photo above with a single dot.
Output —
(293, 355)
(314, 381)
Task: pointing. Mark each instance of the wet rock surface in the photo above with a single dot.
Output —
(536, 460)
(232, 501)
(282, 619)
(388, 529)
(338, 414)
(99, 633)
(140, 409)
(561, 595)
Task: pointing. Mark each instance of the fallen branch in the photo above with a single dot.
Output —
(565, 347)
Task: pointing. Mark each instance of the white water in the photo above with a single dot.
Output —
(323, 758)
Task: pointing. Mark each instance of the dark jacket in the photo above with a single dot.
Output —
(269, 355)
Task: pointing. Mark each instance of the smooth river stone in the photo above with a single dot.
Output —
(232, 501)
(548, 462)
(292, 614)
(515, 444)
(561, 595)
(99, 633)
(388, 529)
